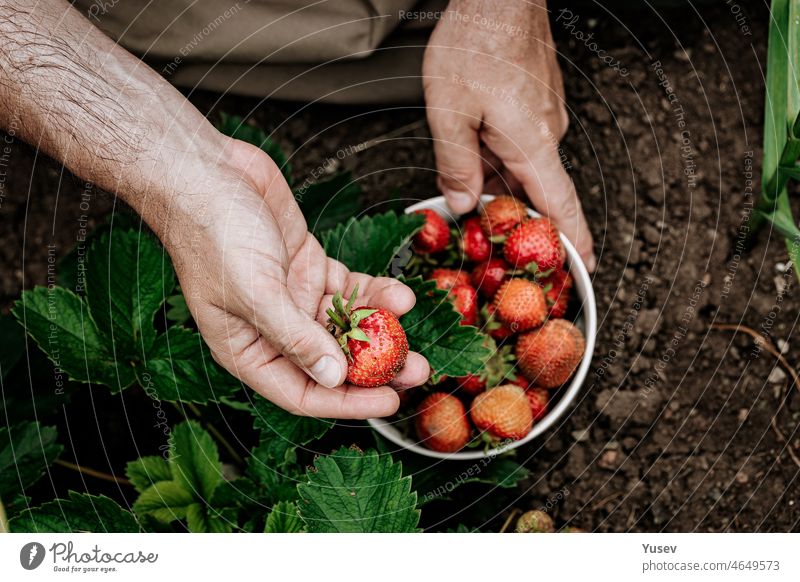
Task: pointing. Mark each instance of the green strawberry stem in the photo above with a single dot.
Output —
(343, 321)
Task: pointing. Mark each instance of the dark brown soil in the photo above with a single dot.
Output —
(672, 432)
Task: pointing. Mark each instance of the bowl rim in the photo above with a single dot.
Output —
(584, 291)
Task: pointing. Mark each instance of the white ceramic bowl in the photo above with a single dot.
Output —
(586, 321)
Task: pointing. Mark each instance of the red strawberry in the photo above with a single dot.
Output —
(503, 412)
(373, 340)
(557, 288)
(442, 423)
(489, 275)
(474, 242)
(535, 241)
(521, 381)
(521, 304)
(465, 300)
(538, 399)
(550, 354)
(501, 215)
(472, 384)
(435, 234)
(446, 279)
(496, 328)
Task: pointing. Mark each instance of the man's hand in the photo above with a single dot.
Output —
(495, 100)
(256, 281)
(258, 284)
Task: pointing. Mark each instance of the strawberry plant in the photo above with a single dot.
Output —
(119, 324)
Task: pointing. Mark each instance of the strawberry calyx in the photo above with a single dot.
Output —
(343, 321)
(530, 270)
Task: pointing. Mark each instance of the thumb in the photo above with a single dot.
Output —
(553, 194)
(298, 337)
(458, 157)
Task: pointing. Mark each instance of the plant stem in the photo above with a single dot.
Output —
(93, 473)
(509, 519)
(217, 434)
(3, 519)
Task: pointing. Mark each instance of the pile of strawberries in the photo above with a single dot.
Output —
(504, 272)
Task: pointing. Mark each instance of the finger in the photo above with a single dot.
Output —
(415, 373)
(336, 277)
(289, 387)
(382, 292)
(458, 159)
(535, 161)
(294, 333)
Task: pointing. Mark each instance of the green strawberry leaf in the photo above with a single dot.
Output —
(179, 367)
(434, 329)
(236, 127)
(146, 471)
(194, 460)
(81, 512)
(330, 202)
(282, 432)
(200, 519)
(273, 482)
(178, 312)
(354, 491)
(59, 322)
(284, 519)
(373, 244)
(166, 501)
(26, 450)
(129, 276)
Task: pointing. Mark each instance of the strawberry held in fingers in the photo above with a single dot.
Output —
(435, 234)
(372, 339)
(503, 412)
(501, 215)
(489, 275)
(474, 242)
(442, 423)
(549, 355)
(446, 279)
(535, 244)
(521, 304)
(557, 288)
(465, 300)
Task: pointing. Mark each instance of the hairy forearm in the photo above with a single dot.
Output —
(70, 91)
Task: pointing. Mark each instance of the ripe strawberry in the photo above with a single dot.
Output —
(465, 300)
(442, 423)
(521, 381)
(496, 328)
(503, 412)
(435, 234)
(501, 215)
(472, 384)
(446, 279)
(489, 275)
(557, 287)
(535, 241)
(474, 242)
(372, 339)
(550, 354)
(521, 304)
(538, 399)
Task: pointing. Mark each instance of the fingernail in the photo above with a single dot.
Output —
(327, 371)
(460, 202)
